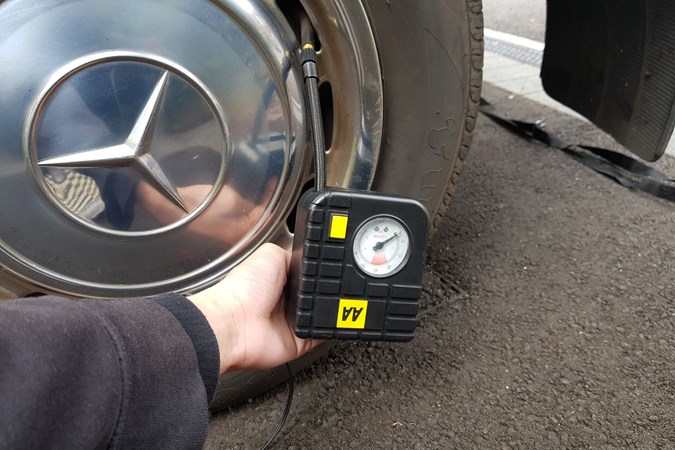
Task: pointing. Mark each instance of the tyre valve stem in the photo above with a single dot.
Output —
(311, 78)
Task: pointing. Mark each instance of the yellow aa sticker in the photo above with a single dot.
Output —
(352, 313)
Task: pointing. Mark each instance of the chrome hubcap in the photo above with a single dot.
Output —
(150, 146)
(66, 136)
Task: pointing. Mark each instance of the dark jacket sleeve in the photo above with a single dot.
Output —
(104, 374)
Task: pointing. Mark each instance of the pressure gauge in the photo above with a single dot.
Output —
(357, 264)
(381, 246)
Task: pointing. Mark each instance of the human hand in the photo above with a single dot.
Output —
(246, 312)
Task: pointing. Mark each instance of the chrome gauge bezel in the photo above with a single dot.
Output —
(360, 261)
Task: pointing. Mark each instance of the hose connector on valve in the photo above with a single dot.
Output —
(308, 58)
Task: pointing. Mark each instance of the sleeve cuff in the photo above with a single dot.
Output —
(198, 329)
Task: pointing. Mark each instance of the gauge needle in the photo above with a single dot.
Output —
(379, 245)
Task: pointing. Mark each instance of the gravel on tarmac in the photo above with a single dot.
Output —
(547, 320)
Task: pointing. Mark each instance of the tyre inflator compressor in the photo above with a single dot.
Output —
(358, 256)
(356, 268)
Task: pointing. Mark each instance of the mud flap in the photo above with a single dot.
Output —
(613, 61)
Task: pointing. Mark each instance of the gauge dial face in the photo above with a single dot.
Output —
(382, 246)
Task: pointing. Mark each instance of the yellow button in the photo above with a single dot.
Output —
(338, 226)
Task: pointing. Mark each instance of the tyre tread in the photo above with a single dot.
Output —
(475, 16)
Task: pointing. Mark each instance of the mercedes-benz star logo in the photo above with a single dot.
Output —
(133, 152)
(111, 129)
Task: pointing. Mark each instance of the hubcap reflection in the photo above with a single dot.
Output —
(222, 156)
(86, 133)
(145, 146)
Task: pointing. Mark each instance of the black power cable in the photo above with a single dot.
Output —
(311, 76)
(287, 409)
(623, 169)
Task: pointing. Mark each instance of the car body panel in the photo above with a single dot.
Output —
(613, 61)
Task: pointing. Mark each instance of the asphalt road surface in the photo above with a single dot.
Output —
(548, 313)
(548, 320)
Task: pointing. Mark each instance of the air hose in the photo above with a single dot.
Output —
(311, 78)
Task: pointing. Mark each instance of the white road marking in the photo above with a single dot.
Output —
(513, 39)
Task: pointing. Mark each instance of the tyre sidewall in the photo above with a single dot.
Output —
(431, 58)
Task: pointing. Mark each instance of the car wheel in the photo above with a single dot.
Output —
(431, 58)
(151, 146)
